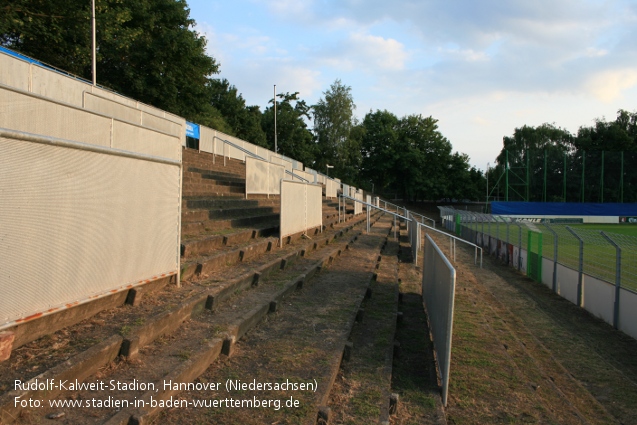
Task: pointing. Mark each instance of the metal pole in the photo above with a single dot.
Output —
(580, 283)
(618, 276)
(544, 175)
(275, 135)
(621, 181)
(94, 30)
(395, 228)
(601, 183)
(555, 240)
(564, 190)
(583, 171)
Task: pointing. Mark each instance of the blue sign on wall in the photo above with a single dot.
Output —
(192, 130)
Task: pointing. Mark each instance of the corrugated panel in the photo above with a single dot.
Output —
(206, 139)
(23, 112)
(301, 207)
(314, 206)
(59, 87)
(112, 109)
(142, 140)
(257, 181)
(14, 73)
(76, 224)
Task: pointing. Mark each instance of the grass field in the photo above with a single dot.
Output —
(600, 258)
(622, 229)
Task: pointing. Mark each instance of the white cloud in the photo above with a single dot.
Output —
(608, 86)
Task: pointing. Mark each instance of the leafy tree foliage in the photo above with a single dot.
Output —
(294, 139)
(333, 124)
(245, 122)
(146, 48)
(409, 156)
(547, 163)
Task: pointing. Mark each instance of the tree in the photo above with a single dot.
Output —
(379, 149)
(294, 139)
(424, 156)
(245, 122)
(333, 123)
(146, 49)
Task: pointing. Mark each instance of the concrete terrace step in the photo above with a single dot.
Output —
(226, 213)
(210, 202)
(303, 341)
(197, 227)
(363, 388)
(145, 327)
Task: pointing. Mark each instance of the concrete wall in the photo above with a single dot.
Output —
(628, 312)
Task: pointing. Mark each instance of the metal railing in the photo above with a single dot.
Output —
(254, 155)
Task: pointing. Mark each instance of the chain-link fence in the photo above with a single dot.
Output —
(611, 257)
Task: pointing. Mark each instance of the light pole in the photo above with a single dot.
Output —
(275, 144)
(328, 169)
(486, 207)
(94, 47)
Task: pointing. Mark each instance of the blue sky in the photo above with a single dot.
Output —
(481, 67)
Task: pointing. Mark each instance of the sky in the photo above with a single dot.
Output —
(480, 67)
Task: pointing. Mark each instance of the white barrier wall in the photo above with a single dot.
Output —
(263, 177)
(547, 272)
(35, 115)
(599, 298)
(61, 88)
(301, 207)
(438, 292)
(567, 281)
(331, 188)
(358, 207)
(78, 222)
(627, 312)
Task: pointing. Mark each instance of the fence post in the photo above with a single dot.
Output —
(618, 268)
(554, 256)
(580, 282)
(395, 228)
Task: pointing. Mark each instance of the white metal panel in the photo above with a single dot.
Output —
(206, 139)
(56, 86)
(314, 206)
(599, 298)
(438, 292)
(142, 140)
(107, 94)
(628, 312)
(358, 207)
(547, 272)
(301, 207)
(14, 72)
(276, 174)
(293, 208)
(523, 255)
(331, 188)
(567, 281)
(257, 180)
(76, 224)
(112, 109)
(162, 124)
(30, 114)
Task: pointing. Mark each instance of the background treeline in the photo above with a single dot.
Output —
(149, 51)
(547, 163)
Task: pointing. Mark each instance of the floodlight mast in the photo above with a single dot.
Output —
(275, 141)
(94, 61)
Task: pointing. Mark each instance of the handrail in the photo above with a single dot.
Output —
(457, 238)
(234, 145)
(298, 177)
(424, 217)
(396, 215)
